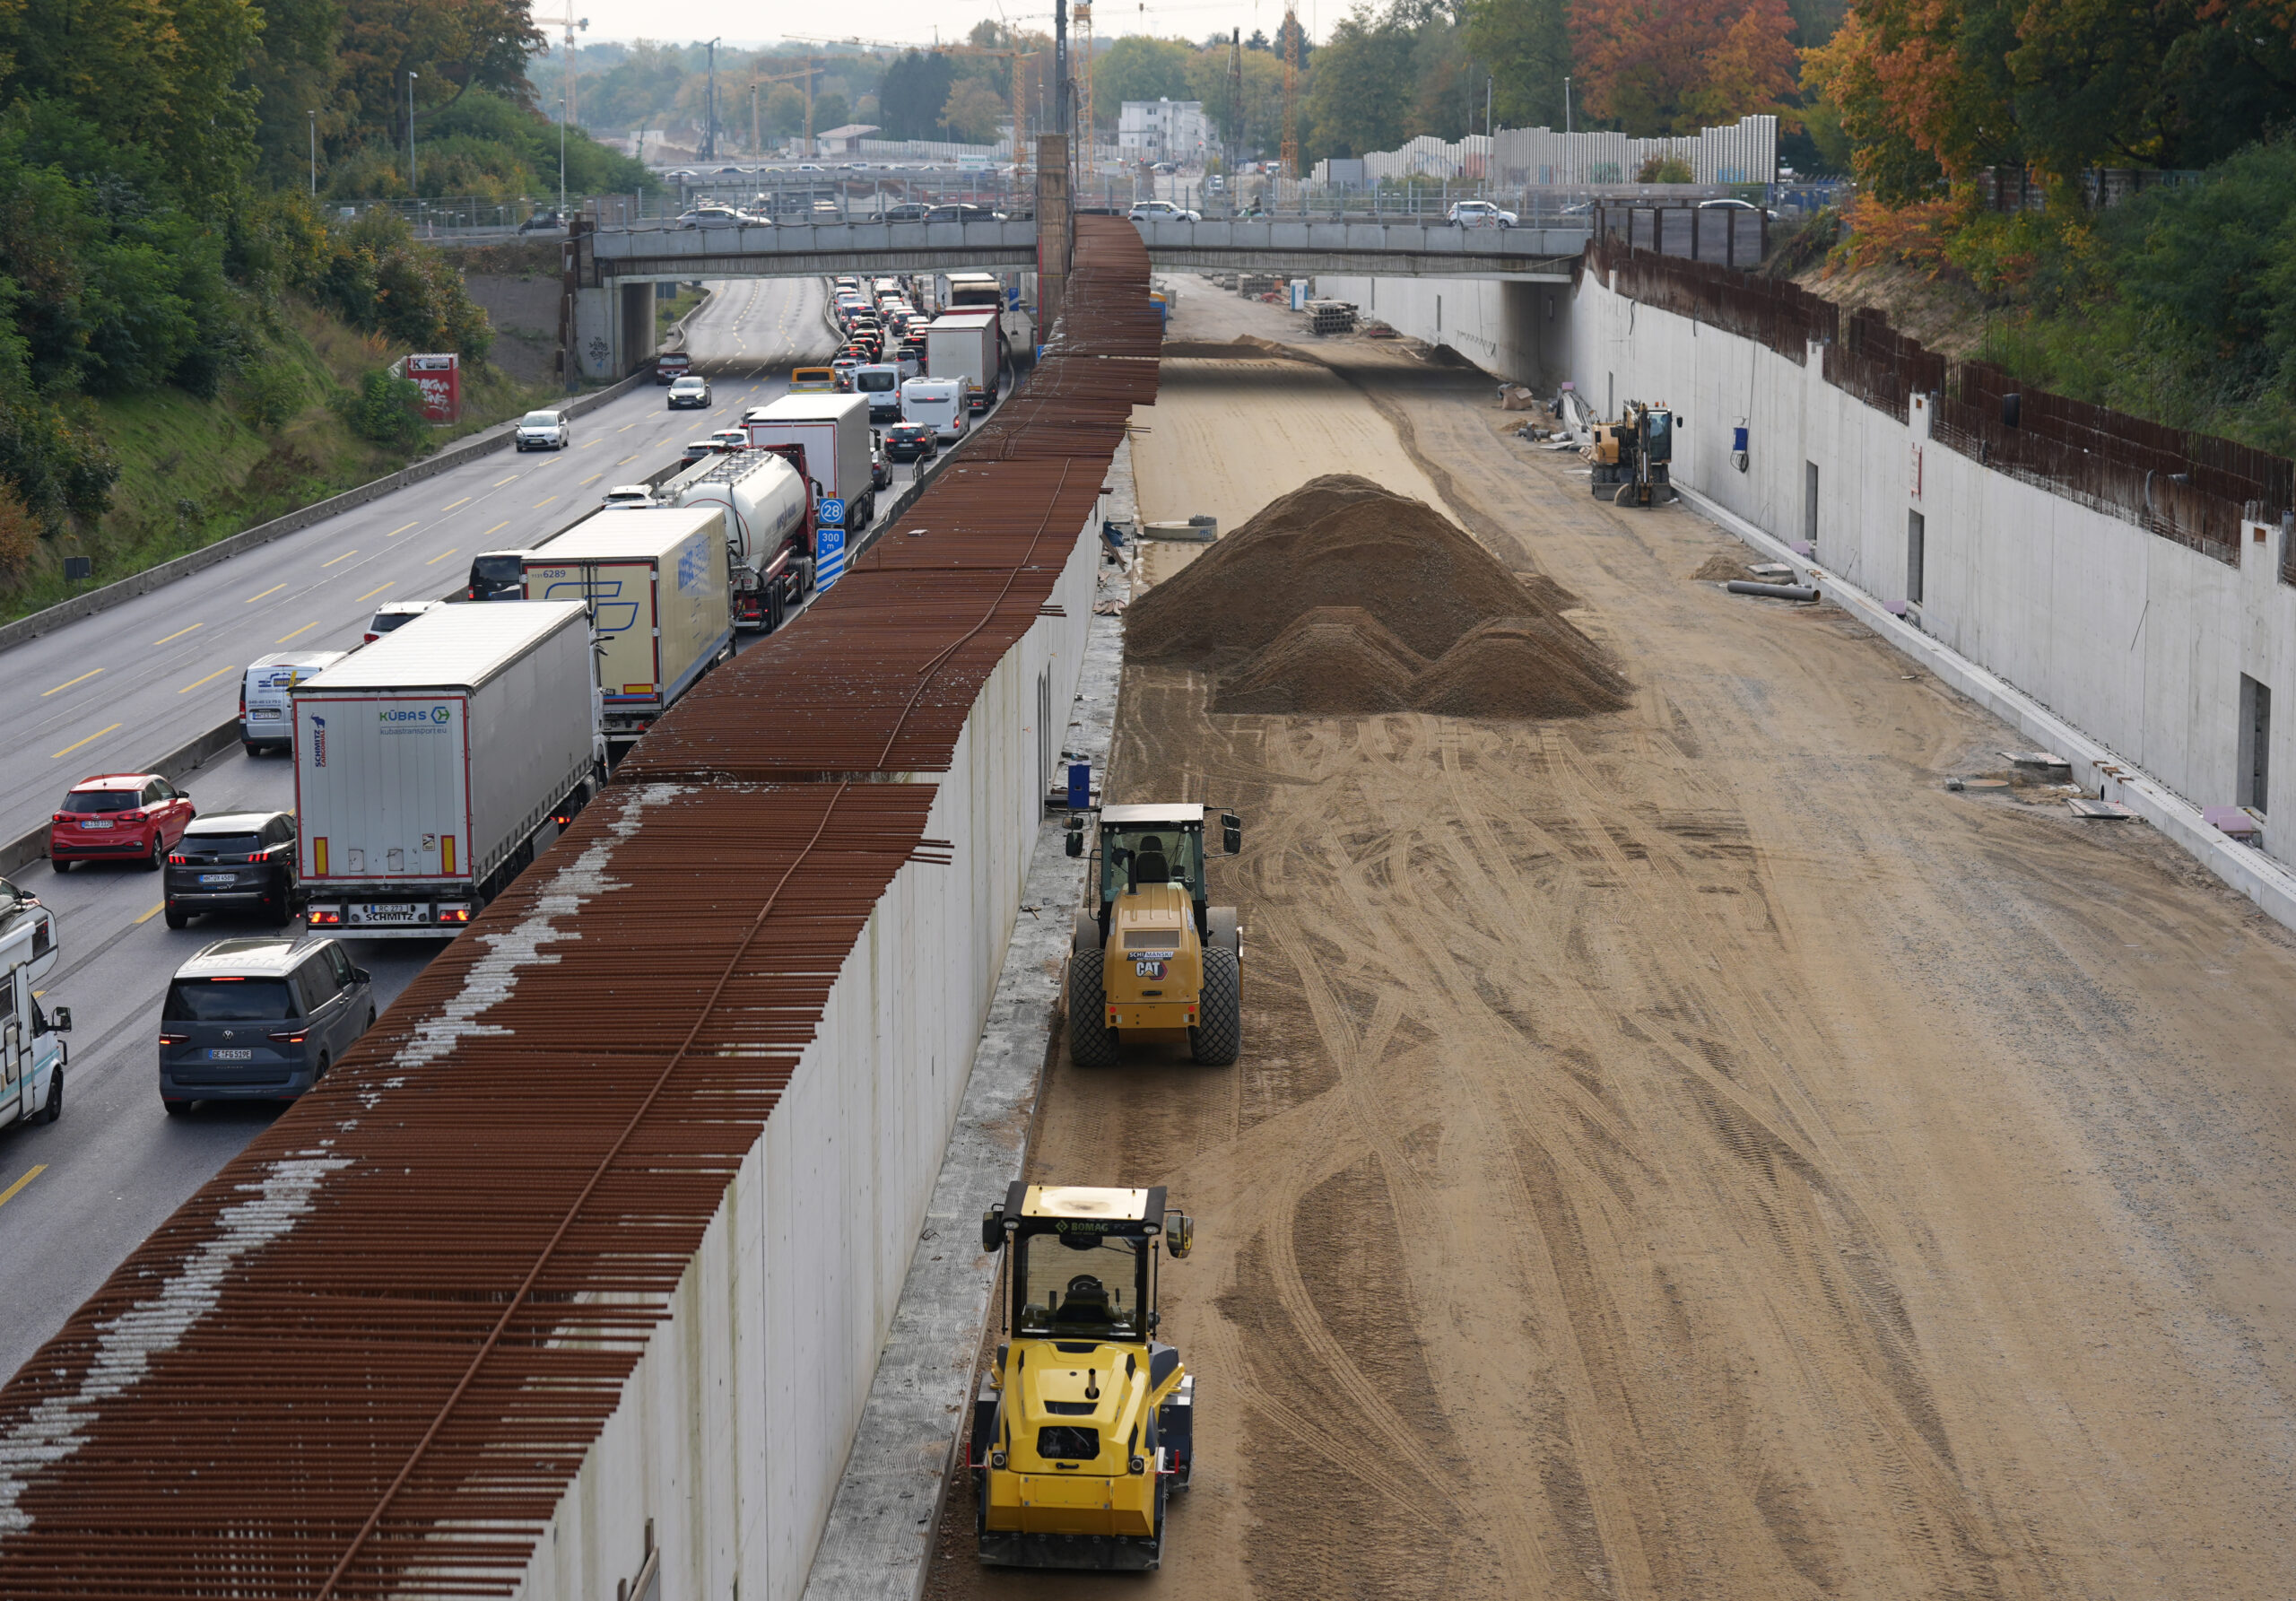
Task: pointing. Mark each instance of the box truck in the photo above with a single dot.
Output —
(660, 599)
(432, 766)
(969, 346)
(32, 1049)
(832, 432)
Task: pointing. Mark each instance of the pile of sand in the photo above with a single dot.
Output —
(1344, 598)
(1720, 569)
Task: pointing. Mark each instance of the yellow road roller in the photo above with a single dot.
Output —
(1085, 1423)
(1151, 958)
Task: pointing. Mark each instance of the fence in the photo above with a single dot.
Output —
(2192, 487)
(1731, 235)
(2021, 189)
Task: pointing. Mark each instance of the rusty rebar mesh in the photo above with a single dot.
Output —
(369, 1355)
(2193, 488)
(443, 1160)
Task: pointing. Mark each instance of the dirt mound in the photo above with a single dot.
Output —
(1720, 569)
(1520, 667)
(1335, 541)
(1344, 598)
(1332, 661)
(1235, 350)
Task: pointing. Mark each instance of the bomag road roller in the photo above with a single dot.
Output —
(1152, 959)
(1086, 1423)
(1633, 456)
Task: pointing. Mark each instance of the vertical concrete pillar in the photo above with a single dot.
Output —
(1055, 230)
(639, 342)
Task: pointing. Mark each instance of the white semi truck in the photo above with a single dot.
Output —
(969, 346)
(660, 602)
(32, 1054)
(831, 432)
(432, 766)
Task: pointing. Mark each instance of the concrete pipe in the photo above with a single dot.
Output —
(1775, 591)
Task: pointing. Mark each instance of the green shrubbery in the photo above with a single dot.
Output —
(385, 409)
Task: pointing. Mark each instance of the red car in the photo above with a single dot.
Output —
(672, 365)
(121, 817)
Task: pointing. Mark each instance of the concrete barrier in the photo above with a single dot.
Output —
(459, 453)
(193, 754)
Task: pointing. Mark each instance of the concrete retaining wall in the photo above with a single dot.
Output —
(735, 1426)
(2136, 641)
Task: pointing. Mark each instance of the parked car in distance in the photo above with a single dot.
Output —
(1216, 185)
(963, 211)
(1161, 211)
(543, 222)
(672, 365)
(911, 441)
(1478, 213)
(690, 392)
(121, 817)
(232, 861)
(546, 430)
(267, 722)
(1733, 206)
(259, 1018)
(908, 211)
(396, 614)
(721, 216)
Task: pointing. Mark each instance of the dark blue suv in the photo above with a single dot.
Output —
(259, 1019)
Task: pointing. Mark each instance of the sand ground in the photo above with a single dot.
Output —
(1688, 1152)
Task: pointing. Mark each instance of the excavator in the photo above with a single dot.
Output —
(1085, 1423)
(1151, 958)
(1631, 457)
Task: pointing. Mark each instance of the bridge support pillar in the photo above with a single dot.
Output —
(1056, 229)
(595, 348)
(639, 339)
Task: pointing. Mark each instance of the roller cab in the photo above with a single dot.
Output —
(1084, 1424)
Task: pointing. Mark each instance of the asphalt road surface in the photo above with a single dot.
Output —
(114, 691)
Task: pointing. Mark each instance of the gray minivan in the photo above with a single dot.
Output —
(259, 1019)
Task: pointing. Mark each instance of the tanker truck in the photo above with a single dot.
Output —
(769, 529)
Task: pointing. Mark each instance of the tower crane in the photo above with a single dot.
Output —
(573, 107)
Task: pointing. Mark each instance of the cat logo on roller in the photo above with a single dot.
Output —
(1086, 1423)
(1152, 959)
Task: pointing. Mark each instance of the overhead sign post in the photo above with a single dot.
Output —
(829, 542)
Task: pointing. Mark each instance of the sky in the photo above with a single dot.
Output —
(915, 20)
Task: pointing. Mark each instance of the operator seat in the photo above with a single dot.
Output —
(1151, 866)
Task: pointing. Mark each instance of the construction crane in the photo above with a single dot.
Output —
(1291, 96)
(813, 65)
(1015, 58)
(573, 107)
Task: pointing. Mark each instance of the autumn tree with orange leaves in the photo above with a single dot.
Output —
(1672, 67)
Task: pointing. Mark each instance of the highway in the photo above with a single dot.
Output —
(111, 691)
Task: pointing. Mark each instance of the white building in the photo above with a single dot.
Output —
(1173, 131)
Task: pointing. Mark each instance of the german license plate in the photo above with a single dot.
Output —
(218, 877)
(387, 912)
(230, 1055)
(95, 825)
(260, 712)
(1148, 969)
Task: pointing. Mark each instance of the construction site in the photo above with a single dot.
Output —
(1535, 1072)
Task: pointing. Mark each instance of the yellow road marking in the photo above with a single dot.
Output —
(91, 739)
(442, 556)
(625, 461)
(274, 589)
(592, 442)
(211, 678)
(344, 557)
(148, 915)
(497, 528)
(464, 501)
(298, 634)
(592, 478)
(179, 634)
(394, 533)
(374, 592)
(540, 504)
(9, 1194)
(68, 683)
(625, 428)
(498, 482)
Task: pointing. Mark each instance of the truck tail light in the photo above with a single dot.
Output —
(318, 915)
(454, 914)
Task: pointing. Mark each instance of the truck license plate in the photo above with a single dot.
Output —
(387, 912)
(230, 1055)
(1148, 969)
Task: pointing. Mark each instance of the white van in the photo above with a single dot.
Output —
(938, 403)
(265, 723)
(31, 1055)
(880, 382)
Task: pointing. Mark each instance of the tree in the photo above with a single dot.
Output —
(972, 113)
(1358, 95)
(914, 88)
(1139, 68)
(452, 46)
(830, 111)
(1528, 45)
(785, 110)
(1669, 66)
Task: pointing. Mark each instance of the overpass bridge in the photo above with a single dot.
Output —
(613, 269)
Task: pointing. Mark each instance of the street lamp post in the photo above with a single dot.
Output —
(709, 134)
(412, 184)
(561, 159)
(315, 155)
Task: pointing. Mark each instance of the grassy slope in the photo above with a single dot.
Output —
(195, 470)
